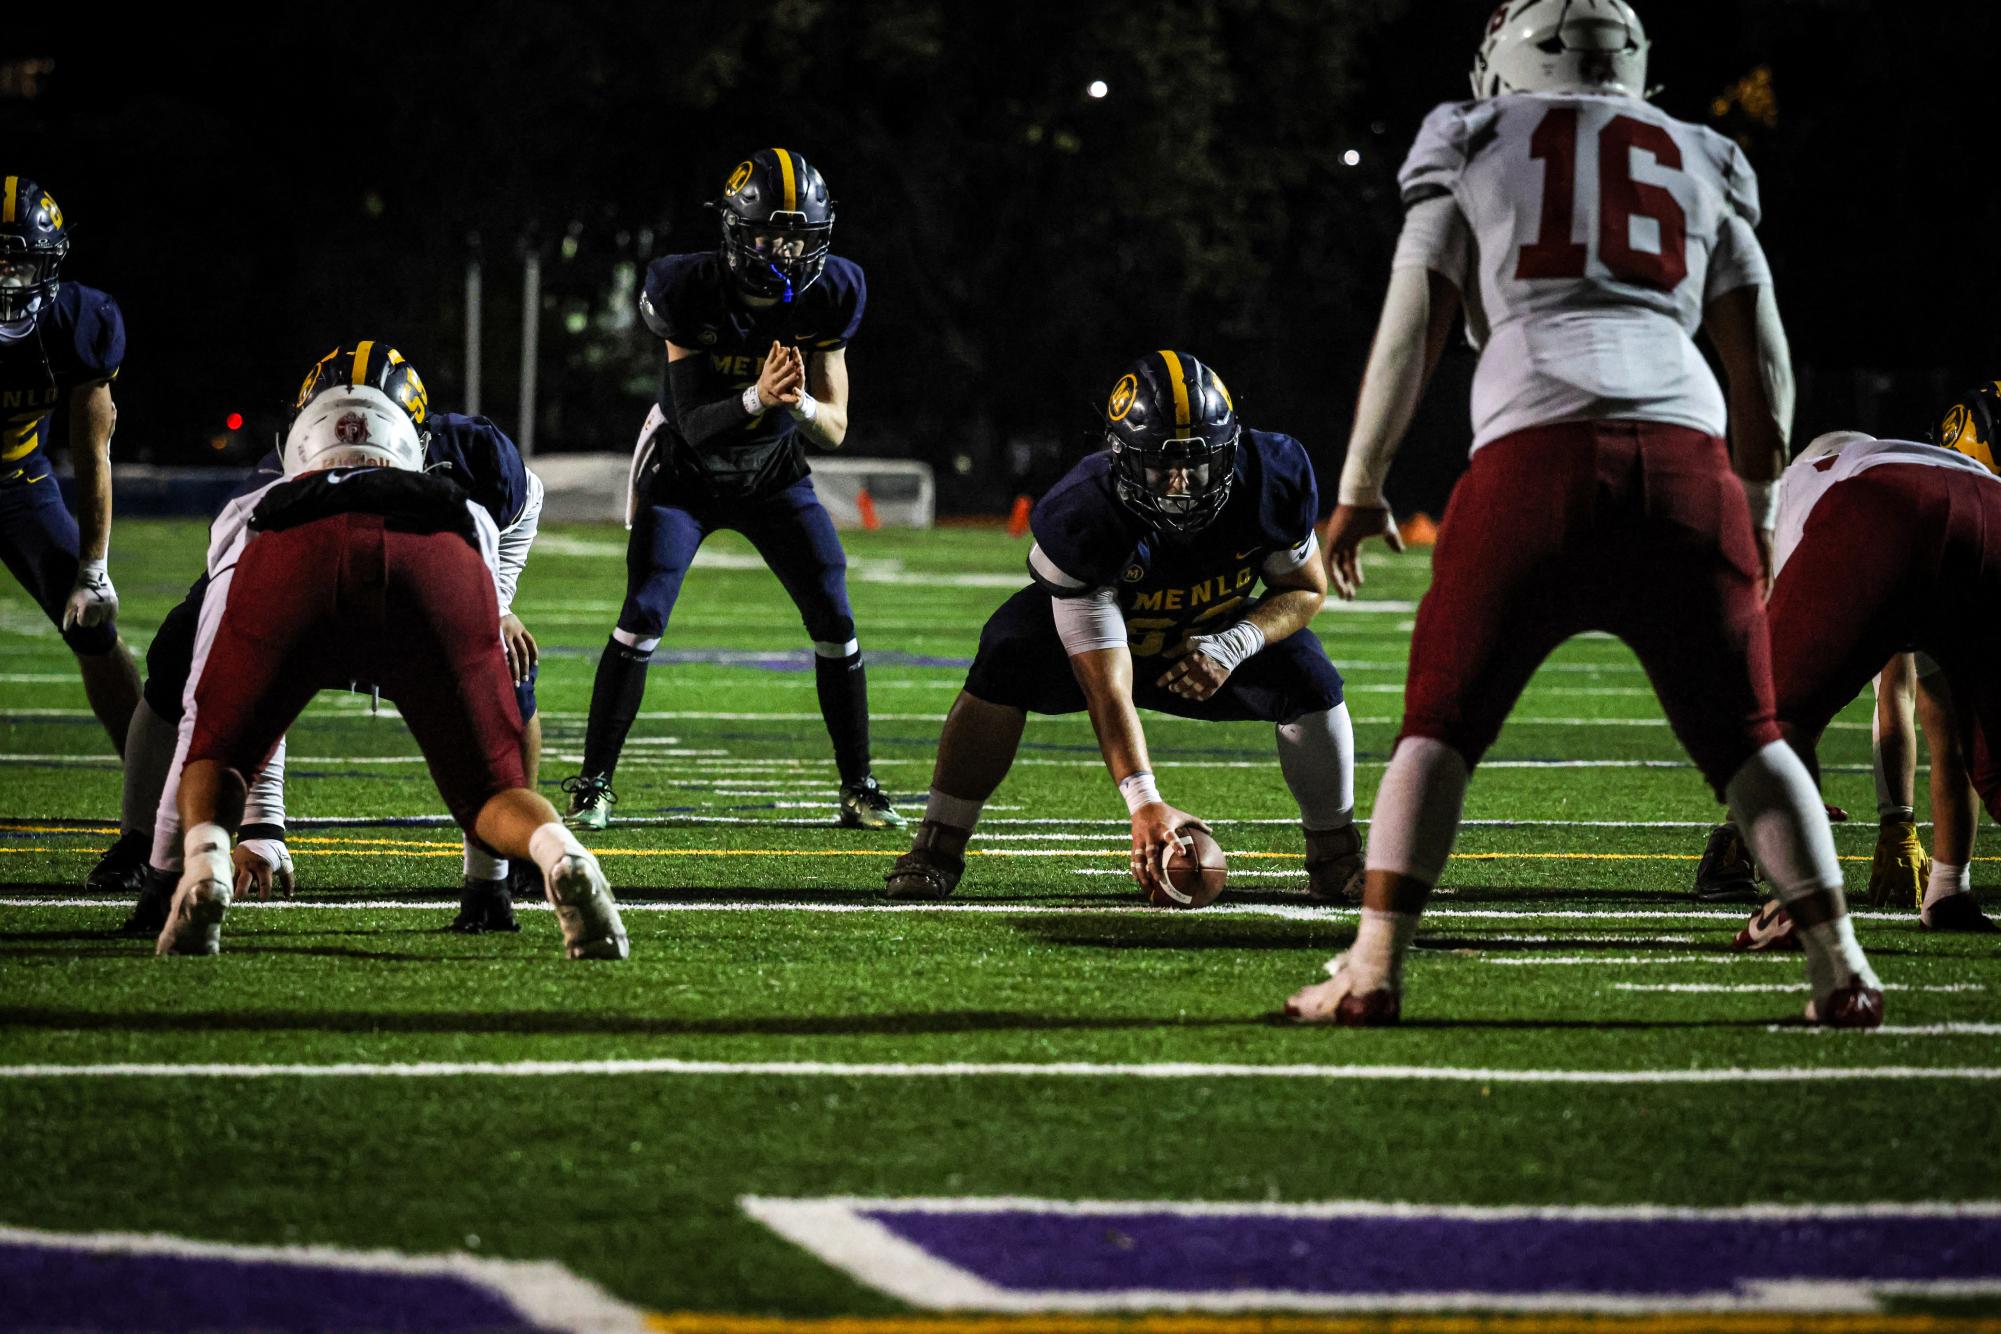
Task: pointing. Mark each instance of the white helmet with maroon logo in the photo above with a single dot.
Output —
(1551, 46)
(353, 426)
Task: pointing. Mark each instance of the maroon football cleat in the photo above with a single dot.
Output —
(1853, 1005)
(1958, 912)
(1770, 928)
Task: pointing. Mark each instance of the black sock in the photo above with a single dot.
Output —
(844, 704)
(615, 699)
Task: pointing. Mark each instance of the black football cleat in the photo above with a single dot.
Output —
(1334, 865)
(156, 899)
(864, 805)
(1726, 873)
(122, 868)
(928, 870)
(485, 906)
(1960, 913)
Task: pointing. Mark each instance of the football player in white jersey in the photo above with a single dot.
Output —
(1885, 545)
(1588, 236)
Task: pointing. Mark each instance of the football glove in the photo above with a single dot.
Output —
(1897, 877)
(93, 601)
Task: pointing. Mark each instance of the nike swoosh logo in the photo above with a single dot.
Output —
(1246, 555)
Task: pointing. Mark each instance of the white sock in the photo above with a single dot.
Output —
(952, 812)
(1777, 808)
(1316, 753)
(551, 843)
(1376, 958)
(207, 846)
(1417, 810)
(483, 865)
(149, 756)
(1947, 881)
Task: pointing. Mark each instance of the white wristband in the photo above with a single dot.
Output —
(752, 403)
(1230, 647)
(806, 409)
(1139, 790)
(88, 568)
(1763, 498)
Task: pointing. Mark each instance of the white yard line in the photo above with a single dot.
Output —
(1739, 988)
(1158, 1070)
(1954, 1030)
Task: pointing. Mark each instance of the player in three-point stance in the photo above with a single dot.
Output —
(472, 452)
(1885, 546)
(360, 566)
(757, 335)
(1588, 235)
(60, 345)
(1147, 561)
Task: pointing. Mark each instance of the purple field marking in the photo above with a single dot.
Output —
(1370, 1255)
(53, 1287)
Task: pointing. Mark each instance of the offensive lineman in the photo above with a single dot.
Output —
(472, 452)
(361, 567)
(60, 343)
(757, 335)
(1146, 558)
(1588, 235)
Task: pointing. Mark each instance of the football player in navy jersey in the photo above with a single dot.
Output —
(756, 368)
(60, 346)
(1147, 566)
(472, 452)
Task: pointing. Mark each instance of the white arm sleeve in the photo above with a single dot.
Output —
(265, 803)
(1435, 237)
(1281, 563)
(1390, 387)
(1090, 622)
(515, 540)
(1775, 360)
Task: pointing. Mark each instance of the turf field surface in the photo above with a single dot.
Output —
(1581, 1049)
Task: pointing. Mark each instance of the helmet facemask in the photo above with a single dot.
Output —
(778, 257)
(1583, 46)
(28, 277)
(1179, 487)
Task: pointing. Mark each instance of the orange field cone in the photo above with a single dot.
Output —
(1418, 531)
(865, 506)
(1017, 519)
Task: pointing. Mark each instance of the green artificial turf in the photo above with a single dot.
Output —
(726, 800)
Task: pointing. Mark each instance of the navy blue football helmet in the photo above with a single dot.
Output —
(1173, 435)
(778, 224)
(33, 241)
(369, 364)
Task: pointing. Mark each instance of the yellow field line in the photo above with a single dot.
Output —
(694, 1322)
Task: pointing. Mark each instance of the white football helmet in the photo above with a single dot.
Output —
(1549, 46)
(353, 427)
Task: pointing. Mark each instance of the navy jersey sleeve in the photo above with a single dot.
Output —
(96, 339)
(1288, 500)
(478, 455)
(665, 299)
(847, 296)
(1081, 530)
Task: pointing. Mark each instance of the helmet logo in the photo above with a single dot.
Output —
(738, 178)
(351, 429)
(55, 214)
(1123, 394)
(1500, 19)
(1954, 426)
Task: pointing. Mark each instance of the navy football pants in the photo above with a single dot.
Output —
(39, 543)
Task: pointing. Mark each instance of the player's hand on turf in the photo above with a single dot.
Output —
(1153, 830)
(522, 651)
(1899, 870)
(259, 862)
(93, 600)
(1341, 537)
(1194, 675)
(783, 376)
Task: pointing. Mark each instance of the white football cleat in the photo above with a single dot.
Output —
(582, 899)
(1337, 1002)
(194, 921)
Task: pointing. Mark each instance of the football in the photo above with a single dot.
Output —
(1195, 871)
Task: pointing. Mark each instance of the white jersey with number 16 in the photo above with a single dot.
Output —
(1601, 227)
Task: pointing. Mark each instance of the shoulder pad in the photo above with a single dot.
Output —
(846, 292)
(674, 298)
(1081, 528)
(93, 334)
(479, 456)
(1288, 498)
(1437, 156)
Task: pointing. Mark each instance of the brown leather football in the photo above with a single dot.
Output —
(1195, 871)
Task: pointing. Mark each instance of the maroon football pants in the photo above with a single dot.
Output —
(1899, 556)
(345, 599)
(1635, 528)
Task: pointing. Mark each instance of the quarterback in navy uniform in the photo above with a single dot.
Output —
(1147, 563)
(477, 456)
(756, 336)
(60, 343)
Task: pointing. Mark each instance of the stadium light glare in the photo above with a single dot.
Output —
(234, 421)
(1098, 88)
(1351, 158)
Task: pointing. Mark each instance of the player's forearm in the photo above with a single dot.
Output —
(1410, 337)
(1895, 736)
(515, 541)
(825, 424)
(1286, 612)
(94, 416)
(264, 805)
(822, 413)
(698, 420)
(1750, 341)
(1106, 677)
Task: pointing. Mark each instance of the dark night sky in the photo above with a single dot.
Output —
(253, 196)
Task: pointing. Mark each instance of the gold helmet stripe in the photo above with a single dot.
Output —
(361, 352)
(791, 180)
(7, 208)
(1178, 377)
